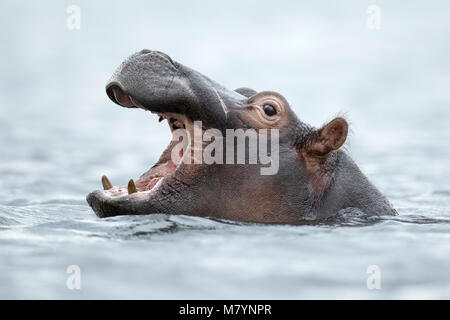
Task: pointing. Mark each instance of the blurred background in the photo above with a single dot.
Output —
(59, 133)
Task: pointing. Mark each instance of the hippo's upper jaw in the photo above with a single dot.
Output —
(313, 180)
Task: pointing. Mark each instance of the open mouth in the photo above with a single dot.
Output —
(164, 169)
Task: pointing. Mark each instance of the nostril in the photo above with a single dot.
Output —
(158, 53)
(116, 94)
(165, 56)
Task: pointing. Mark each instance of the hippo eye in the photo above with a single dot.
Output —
(269, 110)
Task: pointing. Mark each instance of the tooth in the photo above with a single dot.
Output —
(131, 187)
(106, 183)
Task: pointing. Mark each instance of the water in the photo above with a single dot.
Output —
(59, 133)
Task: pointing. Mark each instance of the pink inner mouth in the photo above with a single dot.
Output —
(164, 167)
(149, 179)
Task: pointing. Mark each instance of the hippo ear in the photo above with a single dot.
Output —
(330, 137)
(246, 92)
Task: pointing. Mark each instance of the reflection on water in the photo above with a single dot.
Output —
(59, 134)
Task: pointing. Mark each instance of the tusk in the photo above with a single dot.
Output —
(106, 183)
(131, 187)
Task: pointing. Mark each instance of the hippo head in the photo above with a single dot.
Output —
(306, 177)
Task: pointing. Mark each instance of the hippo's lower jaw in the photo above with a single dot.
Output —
(143, 196)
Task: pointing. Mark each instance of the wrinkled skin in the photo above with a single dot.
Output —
(316, 179)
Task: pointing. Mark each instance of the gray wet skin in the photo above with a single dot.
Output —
(315, 180)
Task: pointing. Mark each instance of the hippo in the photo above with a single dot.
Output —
(315, 179)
